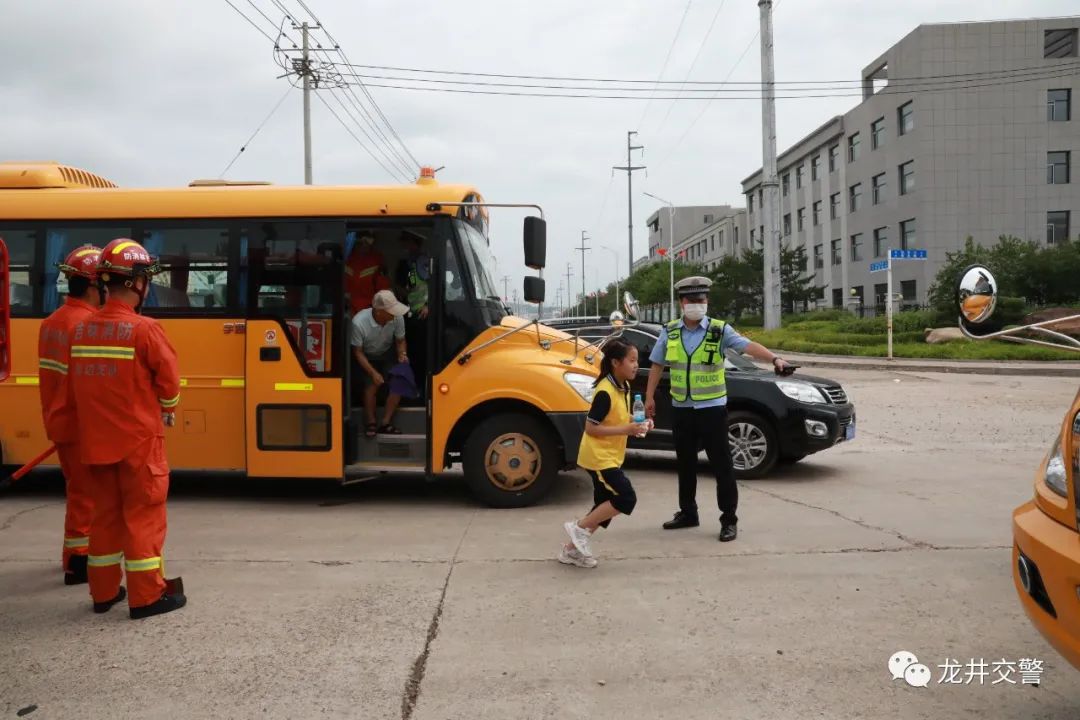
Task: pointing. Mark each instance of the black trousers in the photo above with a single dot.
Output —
(708, 428)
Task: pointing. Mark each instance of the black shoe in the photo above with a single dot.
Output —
(166, 604)
(681, 520)
(728, 533)
(104, 607)
(76, 572)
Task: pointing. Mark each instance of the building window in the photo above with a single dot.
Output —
(817, 213)
(1057, 168)
(881, 240)
(853, 146)
(834, 206)
(761, 198)
(880, 291)
(761, 235)
(819, 261)
(905, 118)
(708, 219)
(856, 247)
(800, 219)
(855, 197)
(838, 297)
(736, 240)
(798, 177)
(907, 234)
(785, 183)
(751, 237)
(878, 186)
(1059, 43)
(787, 224)
(835, 251)
(750, 201)
(877, 133)
(712, 241)
(815, 167)
(907, 177)
(1057, 227)
(907, 290)
(1059, 105)
(834, 157)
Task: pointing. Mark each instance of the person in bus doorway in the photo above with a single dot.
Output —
(413, 275)
(126, 386)
(603, 449)
(364, 272)
(378, 341)
(693, 347)
(58, 407)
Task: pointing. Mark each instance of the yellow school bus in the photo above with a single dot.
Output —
(1046, 529)
(252, 295)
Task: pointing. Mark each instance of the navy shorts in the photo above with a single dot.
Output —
(613, 486)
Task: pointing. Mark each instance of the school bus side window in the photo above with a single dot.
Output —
(59, 241)
(20, 245)
(194, 263)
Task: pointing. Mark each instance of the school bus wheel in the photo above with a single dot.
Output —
(510, 460)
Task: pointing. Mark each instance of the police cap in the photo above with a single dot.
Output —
(696, 285)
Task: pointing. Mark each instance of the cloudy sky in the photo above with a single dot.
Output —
(151, 94)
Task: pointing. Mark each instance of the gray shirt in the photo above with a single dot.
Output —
(371, 337)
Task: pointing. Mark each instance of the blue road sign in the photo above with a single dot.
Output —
(879, 266)
(907, 254)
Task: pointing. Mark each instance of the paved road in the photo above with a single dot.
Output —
(401, 599)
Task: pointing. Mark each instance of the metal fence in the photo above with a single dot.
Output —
(661, 313)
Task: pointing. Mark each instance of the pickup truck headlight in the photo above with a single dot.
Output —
(582, 384)
(1055, 469)
(803, 392)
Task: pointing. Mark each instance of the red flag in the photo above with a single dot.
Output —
(662, 252)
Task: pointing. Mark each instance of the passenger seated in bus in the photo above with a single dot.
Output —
(365, 272)
(412, 276)
(378, 340)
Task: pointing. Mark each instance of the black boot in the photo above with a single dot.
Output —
(76, 570)
(104, 607)
(681, 520)
(172, 599)
(728, 532)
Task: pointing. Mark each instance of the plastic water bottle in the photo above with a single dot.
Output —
(639, 409)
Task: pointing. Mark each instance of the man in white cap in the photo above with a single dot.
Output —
(378, 340)
(693, 347)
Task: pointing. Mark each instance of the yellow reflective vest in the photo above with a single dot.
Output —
(699, 376)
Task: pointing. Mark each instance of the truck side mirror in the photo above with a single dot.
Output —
(976, 298)
(631, 305)
(535, 243)
(534, 290)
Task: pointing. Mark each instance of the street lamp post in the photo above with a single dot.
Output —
(671, 250)
(616, 254)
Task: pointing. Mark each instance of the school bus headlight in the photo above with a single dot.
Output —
(582, 384)
(1055, 470)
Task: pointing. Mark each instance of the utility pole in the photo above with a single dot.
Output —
(630, 168)
(583, 250)
(569, 273)
(506, 288)
(770, 186)
(306, 71)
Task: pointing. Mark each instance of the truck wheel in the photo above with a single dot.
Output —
(511, 460)
(754, 448)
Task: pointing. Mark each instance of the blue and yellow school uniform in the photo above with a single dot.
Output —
(602, 457)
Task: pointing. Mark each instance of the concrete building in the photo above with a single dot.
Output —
(964, 130)
(704, 233)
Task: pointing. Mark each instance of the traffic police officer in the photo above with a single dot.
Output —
(693, 347)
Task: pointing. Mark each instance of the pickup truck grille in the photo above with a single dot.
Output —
(836, 394)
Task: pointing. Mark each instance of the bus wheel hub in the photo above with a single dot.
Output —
(513, 462)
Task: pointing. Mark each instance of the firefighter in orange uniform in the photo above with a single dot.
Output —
(57, 409)
(364, 275)
(126, 386)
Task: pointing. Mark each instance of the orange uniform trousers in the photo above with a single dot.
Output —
(129, 526)
(80, 504)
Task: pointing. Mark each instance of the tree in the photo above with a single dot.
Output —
(797, 287)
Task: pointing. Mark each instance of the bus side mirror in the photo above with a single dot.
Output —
(5, 314)
(631, 305)
(535, 243)
(976, 298)
(534, 290)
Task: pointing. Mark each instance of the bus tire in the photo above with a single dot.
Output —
(511, 460)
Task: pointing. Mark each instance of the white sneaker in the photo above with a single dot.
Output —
(579, 536)
(573, 557)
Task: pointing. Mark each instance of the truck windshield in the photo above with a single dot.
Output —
(480, 261)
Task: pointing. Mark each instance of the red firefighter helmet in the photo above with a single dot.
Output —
(126, 258)
(82, 262)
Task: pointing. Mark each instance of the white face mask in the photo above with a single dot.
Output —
(695, 311)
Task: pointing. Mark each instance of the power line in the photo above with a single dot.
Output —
(667, 59)
(354, 137)
(693, 64)
(250, 21)
(260, 127)
(398, 172)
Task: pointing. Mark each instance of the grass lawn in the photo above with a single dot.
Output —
(867, 338)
